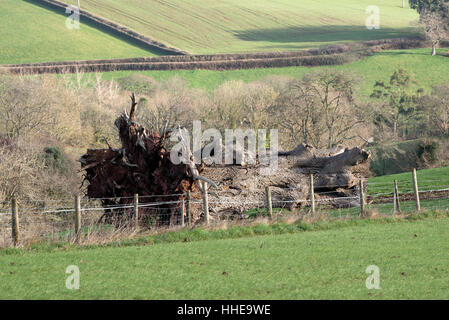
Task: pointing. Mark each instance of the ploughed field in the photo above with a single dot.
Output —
(232, 26)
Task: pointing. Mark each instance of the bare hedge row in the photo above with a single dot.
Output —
(180, 60)
(331, 55)
(388, 44)
(310, 61)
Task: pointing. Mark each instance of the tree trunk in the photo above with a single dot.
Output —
(434, 48)
(395, 129)
(143, 166)
(336, 171)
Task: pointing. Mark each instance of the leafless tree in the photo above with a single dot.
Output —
(297, 116)
(436, 26)
(172, 104)
(236, 104)
(23, 107)
(321, 109)
(437, 109)
(19, 171)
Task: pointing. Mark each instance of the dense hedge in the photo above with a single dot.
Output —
(330, 55)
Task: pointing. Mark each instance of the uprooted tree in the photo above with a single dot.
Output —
(143, 166)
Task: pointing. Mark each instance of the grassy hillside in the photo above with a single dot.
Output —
(218, 26)
(31, 33)
(330, 264)
(428, 71)
(428, 179)
(403, 156)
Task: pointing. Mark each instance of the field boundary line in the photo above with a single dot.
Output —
(330, 55)
(114, 27)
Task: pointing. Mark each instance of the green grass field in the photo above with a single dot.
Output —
(32, 33)
(428, 71)
(229, 26)
(321, 260)
(428, 179)
(324, 264)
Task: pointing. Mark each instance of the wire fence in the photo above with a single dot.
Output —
(107, 219)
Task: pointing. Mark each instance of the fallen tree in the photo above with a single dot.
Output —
(143, 166)
(336, 173)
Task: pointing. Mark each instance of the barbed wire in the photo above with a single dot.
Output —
(158, 205)
(46, 227)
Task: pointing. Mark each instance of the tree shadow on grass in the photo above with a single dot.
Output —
(110, 32)
(330, 33)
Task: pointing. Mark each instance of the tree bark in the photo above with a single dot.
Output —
(142, 166)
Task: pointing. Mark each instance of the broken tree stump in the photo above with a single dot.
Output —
(143, 166)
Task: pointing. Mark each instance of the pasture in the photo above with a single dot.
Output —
(32, 33)
(382, 186)
(428, 179)
(231, 26)
(325, 259)
(292, 257)
(285, 263)
(428, 71)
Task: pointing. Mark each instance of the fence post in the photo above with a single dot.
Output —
(136, 211)
(77, 217)
(182, 213)
(362, 198)
(189, 215)
(269, 203)
(205, 202)
(415, 189)
(397, 204)
(312, 194)
(15, 222)
(394, 199)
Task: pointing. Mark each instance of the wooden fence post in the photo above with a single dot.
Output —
(312, 194)
(189, 215)
(362, 198)
(182, 213)
(394, 199)
(77, 218)
(416, 191)
(136, 211)
(205, 202)
(15, 222)
(396, 204)
(269, 202)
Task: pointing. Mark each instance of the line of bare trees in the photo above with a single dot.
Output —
(47, 121)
